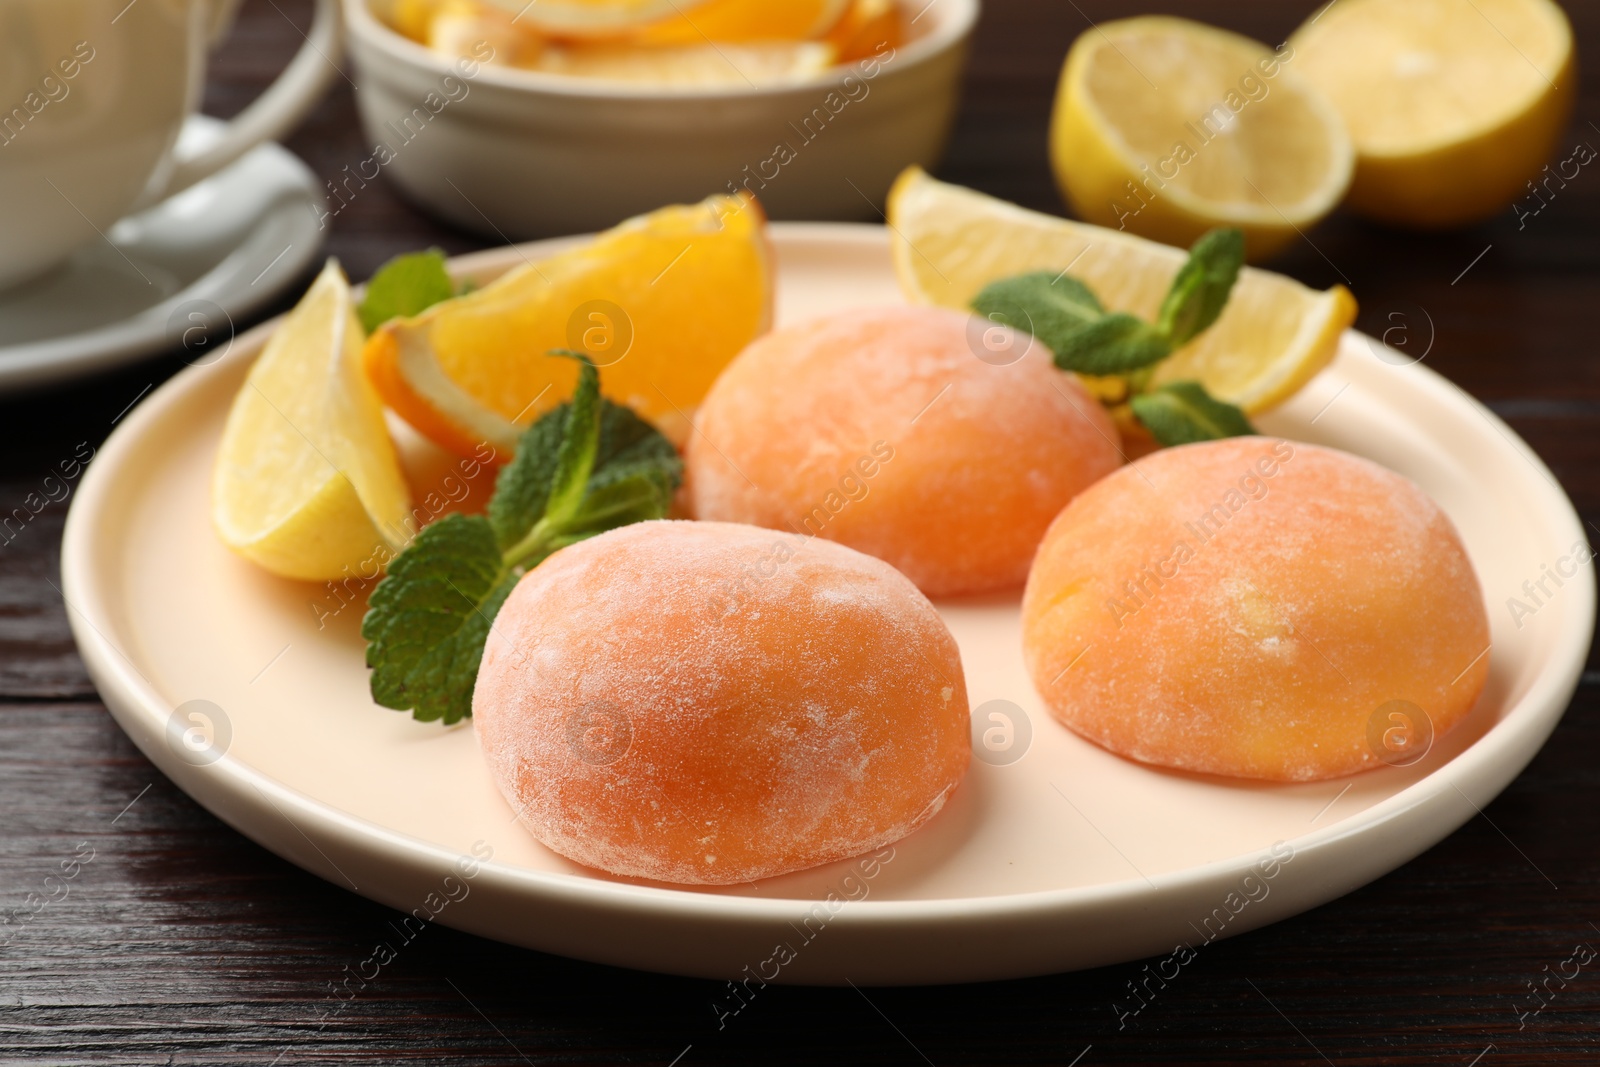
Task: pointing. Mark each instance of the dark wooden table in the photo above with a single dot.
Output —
(182, 942)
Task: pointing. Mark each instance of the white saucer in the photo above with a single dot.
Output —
(1067, 857)
(180, 273)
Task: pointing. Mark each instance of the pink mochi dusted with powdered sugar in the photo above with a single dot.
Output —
(1257, 608)
(938, 441)
(713, 703)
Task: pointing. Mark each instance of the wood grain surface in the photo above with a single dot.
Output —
(177, 941)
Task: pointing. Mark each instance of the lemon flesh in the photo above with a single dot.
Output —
(1168, 128)
(1453, 104)
(306, 483)
(1274, 336)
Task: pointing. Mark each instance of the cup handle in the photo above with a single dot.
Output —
(275, 112)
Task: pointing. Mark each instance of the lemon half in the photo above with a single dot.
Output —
(1453, 104)
(1168, 128)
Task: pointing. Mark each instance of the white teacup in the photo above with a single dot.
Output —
(92, 96)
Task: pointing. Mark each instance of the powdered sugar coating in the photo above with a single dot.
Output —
(712, 703)
(1245, 607)
(883, 429)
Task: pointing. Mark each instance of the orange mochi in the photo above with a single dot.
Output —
(1255, 607)
(939, 442)
(711, 703)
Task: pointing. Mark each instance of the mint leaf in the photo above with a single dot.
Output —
(523, 487)
(1117, 344)
(1044, 304)
(406, 285)
(428, 619)
(1068, 318)
(1181, 413)
(1065, 314)
(635, 498)
(587, 467)
(628, 446)
(575, 460)
(1201, 289)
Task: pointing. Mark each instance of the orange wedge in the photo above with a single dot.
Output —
(866, 29)
(662, 303)
(746, 20)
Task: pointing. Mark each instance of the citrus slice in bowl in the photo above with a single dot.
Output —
(1274, 335)
(746, 20)
(661, 302)
(467, 28)
(1168, 128)
(868, 27)
(645, 22)
(306, 482)
(1453, 104)
(692, 66)
(593, 18)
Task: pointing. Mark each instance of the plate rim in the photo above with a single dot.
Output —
(1485, 767)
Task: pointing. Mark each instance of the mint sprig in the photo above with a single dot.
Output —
(406, 285)
(1181, 413)
(584, 468)
(1066, 316)
(1201, 288)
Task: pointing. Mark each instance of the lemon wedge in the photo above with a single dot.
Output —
(1168, 128)
(306, 482)
(1453, 104)
(1274, 336)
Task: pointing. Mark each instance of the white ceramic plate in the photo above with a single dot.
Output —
(1070, 857)
(177, 275)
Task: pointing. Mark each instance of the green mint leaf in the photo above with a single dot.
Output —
(628, 446)
(523, 487)
(427, 621)
(406, 285)
(1068, 318)
(1044, 304)
(636, 498)
(1181, 413)
(584, 468)
(575, 460)
(1117, 344)
(1201, 289)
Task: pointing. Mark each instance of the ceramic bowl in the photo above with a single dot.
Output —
(517, 154)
